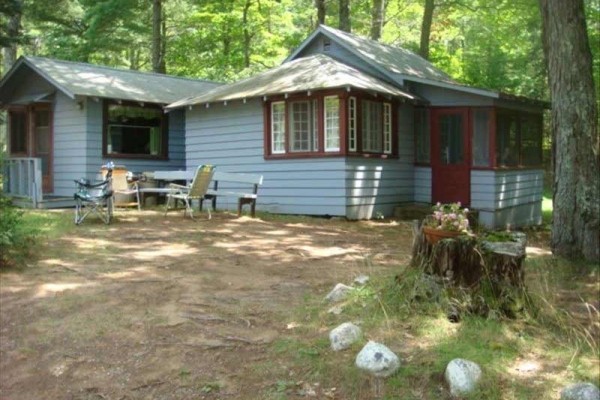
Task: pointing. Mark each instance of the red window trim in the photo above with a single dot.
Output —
(343, 96)
(164, 132)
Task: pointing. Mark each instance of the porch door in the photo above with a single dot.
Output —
(41, 135)
(451, 180)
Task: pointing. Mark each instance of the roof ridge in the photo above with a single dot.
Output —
(33, 58)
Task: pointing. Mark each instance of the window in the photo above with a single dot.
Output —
(372, 122)
(278, 127)
(518, 139)
(422, 136)
(451, 139)
(332, 123)
(329, 123)
(481, 138)
(135, 131)
(352, 145)
(17, 125)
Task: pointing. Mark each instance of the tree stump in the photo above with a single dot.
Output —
(479, 266)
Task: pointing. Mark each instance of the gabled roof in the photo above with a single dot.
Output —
(80, 79)
(387, 58)
(316, 72)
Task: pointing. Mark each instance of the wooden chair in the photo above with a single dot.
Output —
(195, 191)
(121, 187)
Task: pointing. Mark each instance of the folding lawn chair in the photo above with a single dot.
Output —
(94, 198)
(195, 191)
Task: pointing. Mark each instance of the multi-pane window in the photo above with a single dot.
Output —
(352, 145)
(372, 122)
(332, 123)
(278, 127)
(132, 130)
(303, 124)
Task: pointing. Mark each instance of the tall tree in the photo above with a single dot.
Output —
(426, 28)
(10, 32)
(344, 13)
(576, 216)
(377, 17)
(158, 57)
(321, 11)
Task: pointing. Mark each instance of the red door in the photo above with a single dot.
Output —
(451, 179)
(41, 134)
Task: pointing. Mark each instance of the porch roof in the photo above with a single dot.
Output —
(80, 79)
(315, 72)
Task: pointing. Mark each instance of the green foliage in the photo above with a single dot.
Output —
(16, 239)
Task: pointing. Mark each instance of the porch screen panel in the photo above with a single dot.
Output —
(17, 123)
(42, 137)
(531, 140)
(451, 139)
(507, 141)
(481, 138)
(422, 136)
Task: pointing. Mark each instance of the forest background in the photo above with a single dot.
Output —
(489, 44)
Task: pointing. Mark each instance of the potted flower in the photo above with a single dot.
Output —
(446, 221)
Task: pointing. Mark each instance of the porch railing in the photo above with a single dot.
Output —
(22, 178)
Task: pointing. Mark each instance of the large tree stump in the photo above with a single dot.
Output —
(473, 264)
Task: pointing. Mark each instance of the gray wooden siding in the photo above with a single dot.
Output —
(25, 82)
(339, 53)
(449, 98)
(507, 197)
(231, 138)
(94, 144)
(375, 186)
(70, 145)
(422, 185)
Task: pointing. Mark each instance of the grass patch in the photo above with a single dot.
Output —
(533, 356)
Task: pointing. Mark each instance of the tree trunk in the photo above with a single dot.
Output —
(158, 63)
(576, 214)
(426, 28)
(320, 5)
(377, 17)
(13, 27)
(247, 35)
(345, 24)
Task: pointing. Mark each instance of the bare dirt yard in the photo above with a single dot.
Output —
(169, 308)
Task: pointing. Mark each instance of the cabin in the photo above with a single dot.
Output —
(345, 126)
(350, 127)
(66, 119)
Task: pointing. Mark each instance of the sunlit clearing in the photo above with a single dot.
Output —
(166, 251)
(278, 233)
(537, 252)
(48, 289)
(293, 325)
(90, 243)
(56, 262)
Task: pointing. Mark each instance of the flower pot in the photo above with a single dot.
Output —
(433, 235)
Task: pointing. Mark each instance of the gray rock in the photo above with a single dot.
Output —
(344, 336)
(378, 360)
(361, 280)
(580, 391)
(462, 376)
(339, 293)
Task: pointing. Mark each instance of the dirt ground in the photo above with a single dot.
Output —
(168, 308)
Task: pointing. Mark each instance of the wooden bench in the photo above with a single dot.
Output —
(248, 197)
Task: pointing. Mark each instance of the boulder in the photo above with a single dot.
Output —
(339, 293)
(580, 391)
(462, 376)
(344, 336)
(378, 360)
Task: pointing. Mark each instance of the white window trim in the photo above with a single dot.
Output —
(273, 151)
(352, 142)
(387, 128)
(325, 125)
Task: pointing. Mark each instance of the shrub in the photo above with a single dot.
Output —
(15, 239)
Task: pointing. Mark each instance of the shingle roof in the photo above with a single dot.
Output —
(80, 79)
(308, 73)
(394, 59)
